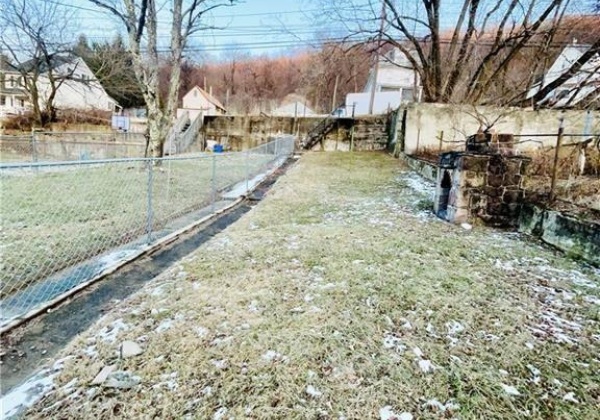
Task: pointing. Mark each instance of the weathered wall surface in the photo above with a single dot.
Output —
(243, 132)
(577, 237)
(425, 121)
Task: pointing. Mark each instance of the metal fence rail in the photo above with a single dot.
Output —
(62, 223)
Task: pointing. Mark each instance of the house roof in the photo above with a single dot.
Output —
(209, 97)
(581, 85)
(6, 65)
(56, 60)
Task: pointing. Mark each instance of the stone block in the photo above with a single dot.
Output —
(473, 179)
(495, 180)
(457, 215)
(494, 208)
(474, 163)
(459, 197)
(512, 179)
(512, 196)
(513, 166)
(492, 192)
(478, 201)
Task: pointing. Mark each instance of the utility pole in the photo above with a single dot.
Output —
(376, 69)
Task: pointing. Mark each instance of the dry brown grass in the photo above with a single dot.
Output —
(337, 281)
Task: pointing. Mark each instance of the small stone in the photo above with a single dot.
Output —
(103, 374)
(130, 349)
(121, 380)
(466, 226)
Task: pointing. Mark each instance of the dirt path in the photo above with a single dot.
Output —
(341, 296)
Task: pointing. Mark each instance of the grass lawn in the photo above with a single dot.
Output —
(340, 296)
(59, 216)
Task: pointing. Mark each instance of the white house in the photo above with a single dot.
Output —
(80, 90)
(78, 86)
(583, 85)
(13, 98)
(397, 82)
(197, 101)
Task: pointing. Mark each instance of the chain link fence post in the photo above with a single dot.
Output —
(34, 157)
(556, 156)
(150, 210)
(247, 165)
(213, 187)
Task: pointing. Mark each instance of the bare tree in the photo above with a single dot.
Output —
(140, 20)
(464, 50)
(36, 34)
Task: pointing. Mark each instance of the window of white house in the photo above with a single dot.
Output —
(12, 81)
(195, 93)
(21, 103)
(407, 94)
(2, 100)
(389, 89)
(2, 80)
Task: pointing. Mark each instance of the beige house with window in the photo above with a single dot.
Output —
(198, 101)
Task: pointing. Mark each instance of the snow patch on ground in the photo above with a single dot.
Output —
(32, 390)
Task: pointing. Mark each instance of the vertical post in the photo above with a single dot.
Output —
(376, 69)
(34, 156)
(352, 130)
(441, 141)
(150, 210)
(335, 89)
(556, 152)
(247, 164)
(213, 182)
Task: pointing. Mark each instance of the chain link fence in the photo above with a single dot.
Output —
(64, 223)
(61, 146)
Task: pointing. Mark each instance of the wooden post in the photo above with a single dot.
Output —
(441, 137)
(555, 165)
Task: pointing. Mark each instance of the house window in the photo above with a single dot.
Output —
(21, 103)
(195, 93)
(407, 94)
(2, 80)
(12, 81)
(389, 89)
(2, 100)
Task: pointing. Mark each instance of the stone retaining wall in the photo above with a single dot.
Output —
(241, 132)
(580, 238)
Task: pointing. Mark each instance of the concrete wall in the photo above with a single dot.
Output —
(425, 121)
(242, 132)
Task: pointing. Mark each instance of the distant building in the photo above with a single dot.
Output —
(397, 82)
(78, 89)
(197, 101)
(583, 86)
